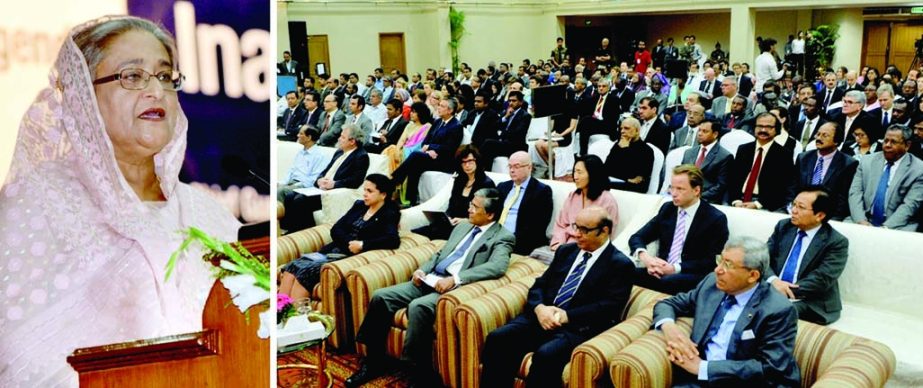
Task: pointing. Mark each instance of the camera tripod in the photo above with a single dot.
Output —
(917, 61)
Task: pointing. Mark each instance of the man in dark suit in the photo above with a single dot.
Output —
(830, 94)
(349, 164)
(603, 119)
(312, 109)
(511, 132)
(288, 124)
(738, 118)
(762, 170)
(584, 99)
(709, 86)
(625, 95)
(686, 135)
(484, 121)
(653, 130)
(690, 232)
(527, 205)
(828, 167)
(478, 249)
(289, 66)
(852, 116)
(437, 153)
(887, 190)
(391, 130)
(743, 333)
(581, 294)
(807, 256)
(712, 159)
(805, 129)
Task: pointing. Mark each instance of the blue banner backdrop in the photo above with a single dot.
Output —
(223, 47)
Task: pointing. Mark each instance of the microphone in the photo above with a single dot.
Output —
(239, 167)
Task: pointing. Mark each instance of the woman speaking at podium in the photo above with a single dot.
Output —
(92, 206)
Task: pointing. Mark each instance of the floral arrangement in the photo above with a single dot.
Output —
(285, 308)
(244, 275)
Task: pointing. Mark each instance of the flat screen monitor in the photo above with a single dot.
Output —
(548, 100)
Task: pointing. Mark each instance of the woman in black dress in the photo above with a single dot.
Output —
(631, 160)
(372, 223)
(469, 178)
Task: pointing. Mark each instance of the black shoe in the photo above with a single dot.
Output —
(365, 374)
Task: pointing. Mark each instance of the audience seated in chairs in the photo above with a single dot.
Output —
(887, 190)
(411, 139)
(712, 159)
(483, 121)
(631, 160)
(436, 153)
(563, 126)
(581, 294)
(807, 256)
(306, 167)
(357, 115)
(863, 144)
(653, 130)
(478, 249)
(762, 171)
(720, 351)
(511, 133)
(591, 190)
(685, 134)
(347, 169)
(527, 205)
(604, 117)
(469, 178)
(292, 119)
(370, 224)
(690, 233)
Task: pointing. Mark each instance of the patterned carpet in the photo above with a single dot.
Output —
(340, 366)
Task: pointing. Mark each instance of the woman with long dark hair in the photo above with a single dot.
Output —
(592, 183)
(469, 178)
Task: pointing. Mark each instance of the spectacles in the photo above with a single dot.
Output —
(583, 229)
(138, 79)
(466, 161)
(801, 206)
(727, 264)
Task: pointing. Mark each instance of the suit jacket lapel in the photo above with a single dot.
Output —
(745, 317)
(710, 156)
(710, 307)
(877, 166)
(592, 276)
(899, 176)
(453, 242)
(814, 248)
(488, 235)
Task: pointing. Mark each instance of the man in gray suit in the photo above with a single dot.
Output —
(721, 106)
(330, 122)
(712, 159)
(807, 257)
(476, 250)
(888, 187)
(686, 135)
(357, 115)
(743, 333)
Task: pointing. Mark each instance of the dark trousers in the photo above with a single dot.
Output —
(411, 169)
(299, 211)
(590, 126)
(421, 314)
(669, 284)
(506, 346)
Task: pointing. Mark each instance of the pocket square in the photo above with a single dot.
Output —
(747, 335)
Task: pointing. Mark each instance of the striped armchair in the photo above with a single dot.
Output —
(330, 295)
(362, 282)
(478, 317)
(826, 357)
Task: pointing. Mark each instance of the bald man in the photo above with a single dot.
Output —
(526, 205)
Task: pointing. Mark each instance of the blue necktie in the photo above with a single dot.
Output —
(818, 169)
(570, 284)
(791, 265)
(723, 308)
(884, 120)
(878, 205)
(459, 251)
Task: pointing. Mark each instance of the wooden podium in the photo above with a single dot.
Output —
(226, 353)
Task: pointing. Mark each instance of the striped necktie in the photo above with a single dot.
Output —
(570, 284)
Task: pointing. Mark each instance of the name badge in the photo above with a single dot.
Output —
(747, 335)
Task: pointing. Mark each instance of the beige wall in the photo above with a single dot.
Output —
(506, 36)
(775, 24)
(849, 45)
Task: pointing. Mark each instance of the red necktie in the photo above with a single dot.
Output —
(754, 173)
(731, 123)
(698, 162)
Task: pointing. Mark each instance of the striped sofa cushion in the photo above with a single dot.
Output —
(293, 245)
(361, 282)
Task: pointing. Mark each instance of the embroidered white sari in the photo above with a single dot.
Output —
(81, 256)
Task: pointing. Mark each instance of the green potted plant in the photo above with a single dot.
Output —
(457, 28)
(822, 45)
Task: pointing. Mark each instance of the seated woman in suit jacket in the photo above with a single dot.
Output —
(630, 160)
(469, 178)
(371, 223)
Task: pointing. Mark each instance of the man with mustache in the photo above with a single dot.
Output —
(762, 170)
(826, 167)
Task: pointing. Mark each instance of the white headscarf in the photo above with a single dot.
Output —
(81, 256)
